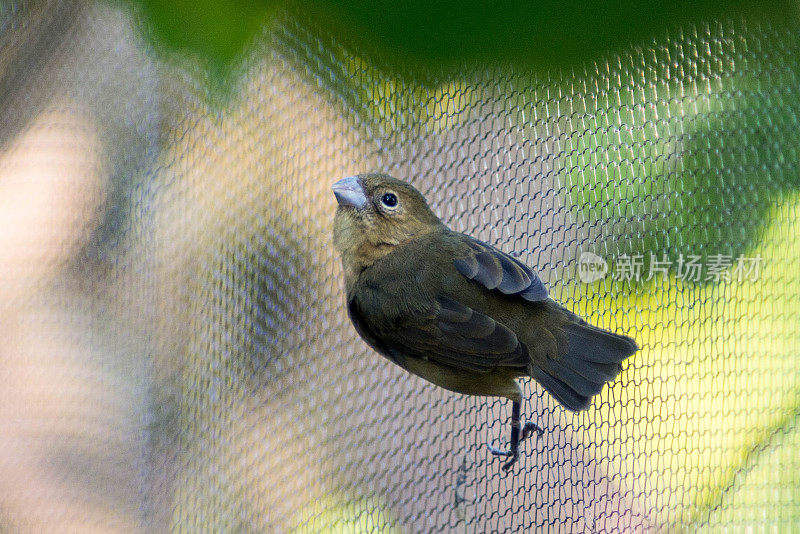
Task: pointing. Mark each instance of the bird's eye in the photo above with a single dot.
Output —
(389, 200)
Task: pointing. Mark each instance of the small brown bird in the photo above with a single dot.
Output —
(457, 311)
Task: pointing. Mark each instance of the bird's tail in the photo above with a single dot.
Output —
(593, 357)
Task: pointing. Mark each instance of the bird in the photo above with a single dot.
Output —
(457, 311)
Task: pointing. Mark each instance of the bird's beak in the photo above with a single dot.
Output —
(349, 192)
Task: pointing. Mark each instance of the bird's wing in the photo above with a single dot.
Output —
(497, 270)
(455, 335)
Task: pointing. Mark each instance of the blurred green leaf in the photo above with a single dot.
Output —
(216, 31)
(702, 183)
(415, 37)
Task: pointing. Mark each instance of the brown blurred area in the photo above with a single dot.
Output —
(72, 368)
(66, 460)
(176, 347)
(176, 351)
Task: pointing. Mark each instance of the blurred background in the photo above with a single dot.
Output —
(175, 353)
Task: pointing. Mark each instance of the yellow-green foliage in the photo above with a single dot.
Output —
(395, 104)
(718, 372)
(331, 516)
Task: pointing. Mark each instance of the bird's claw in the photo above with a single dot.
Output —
(498, 452)
(501, 452)
(529, 428)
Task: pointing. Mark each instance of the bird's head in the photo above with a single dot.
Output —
(377, 213)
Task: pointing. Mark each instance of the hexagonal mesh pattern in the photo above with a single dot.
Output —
(182, 360)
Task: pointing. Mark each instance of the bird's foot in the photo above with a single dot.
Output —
(529, 428)
(500, 452)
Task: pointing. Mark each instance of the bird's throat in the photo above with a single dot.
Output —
(364, 257)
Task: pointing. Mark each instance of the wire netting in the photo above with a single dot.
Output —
(177, 353)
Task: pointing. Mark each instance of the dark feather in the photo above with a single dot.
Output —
(490, 273)
(577, 382)
(460, 361)
(460, 337)
(580, 369)
(598, 345)
(496, 270)
(451, 320)
(598, 373)
(515, 277)
(467, 266)
(535, 292)
(564, 394)
(453, 312)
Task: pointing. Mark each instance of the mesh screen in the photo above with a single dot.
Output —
(178, 356)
